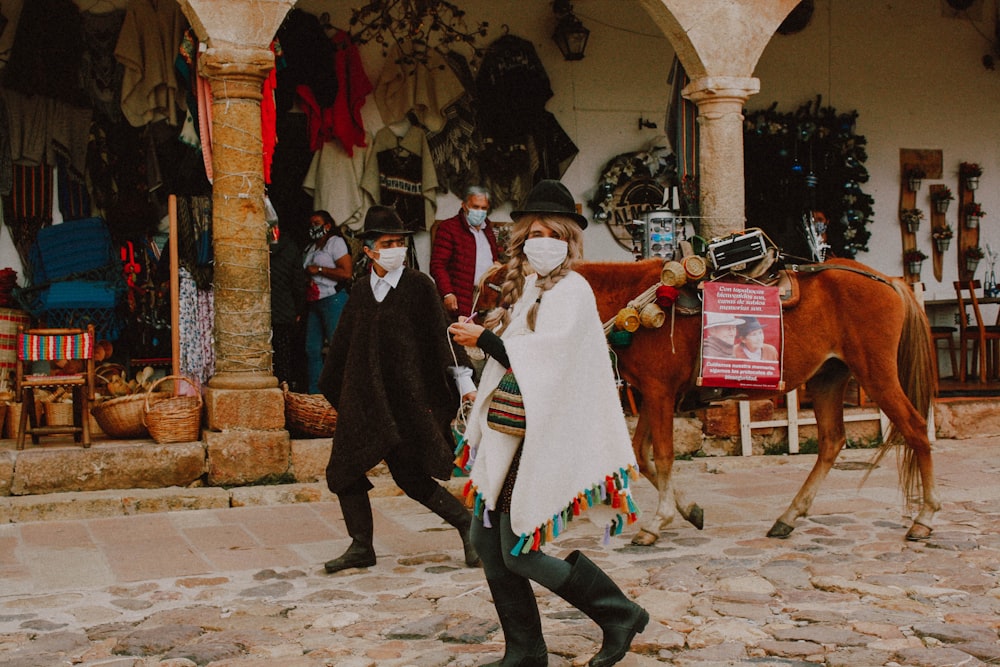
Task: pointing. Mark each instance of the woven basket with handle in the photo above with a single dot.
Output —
(173, 418)
(310, 414)
(122, 417)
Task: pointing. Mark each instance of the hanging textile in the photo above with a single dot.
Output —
(74, 200)
(421, 88)
(46, 56)
(43, 129)
(147, 46)
(334, 182)
(401, 174)
(28, 208)
(522, 142)
(455, 146)
(6, 164)
(195, 329)
(682, 121)
(100, 73)
(309, 55)
(353, 87)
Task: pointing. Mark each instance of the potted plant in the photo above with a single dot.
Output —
(914, 176)
(941, 198)
(973, 212)
(942, 236)
(973, 255)
(970, 172)
(911, 217)
(914, 259)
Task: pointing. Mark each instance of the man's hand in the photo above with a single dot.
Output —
(469, 398)
(451, 303)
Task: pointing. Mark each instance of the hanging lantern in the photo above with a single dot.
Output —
(570, 35)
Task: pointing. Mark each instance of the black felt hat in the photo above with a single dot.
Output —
(553, 198)
(381, 220)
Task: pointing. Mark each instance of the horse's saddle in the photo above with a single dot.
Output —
(762, 272)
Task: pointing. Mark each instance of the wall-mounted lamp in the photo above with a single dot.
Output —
(570, 35)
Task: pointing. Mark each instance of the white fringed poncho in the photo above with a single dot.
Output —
(577, 451)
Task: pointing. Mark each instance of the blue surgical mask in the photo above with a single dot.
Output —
(476, 217)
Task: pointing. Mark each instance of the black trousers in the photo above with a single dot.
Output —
(407, 470)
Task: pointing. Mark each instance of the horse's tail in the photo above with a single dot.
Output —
(915, 369)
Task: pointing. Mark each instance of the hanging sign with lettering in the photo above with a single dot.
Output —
(742, 336)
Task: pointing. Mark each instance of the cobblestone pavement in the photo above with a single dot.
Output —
(244, 587)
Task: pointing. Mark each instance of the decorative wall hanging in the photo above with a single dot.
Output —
(632, 184)
(914, 166)
(970, 214)
(804, 161)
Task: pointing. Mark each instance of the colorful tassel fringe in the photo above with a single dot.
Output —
(614, 491)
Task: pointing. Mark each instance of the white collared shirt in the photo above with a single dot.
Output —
(382, 285)
(484, 253)
(380, 288)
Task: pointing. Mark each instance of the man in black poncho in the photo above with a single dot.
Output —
(391, 374)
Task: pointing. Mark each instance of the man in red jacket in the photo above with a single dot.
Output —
(464, 248)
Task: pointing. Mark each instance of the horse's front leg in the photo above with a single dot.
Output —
(828, 405)
(654, 444)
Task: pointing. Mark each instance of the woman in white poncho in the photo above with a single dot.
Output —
(575, 454)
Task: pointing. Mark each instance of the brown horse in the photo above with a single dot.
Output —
(847, 321)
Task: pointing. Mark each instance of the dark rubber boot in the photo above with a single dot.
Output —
(593, 592)
(357, 512)
(522, 626)
(451, 509)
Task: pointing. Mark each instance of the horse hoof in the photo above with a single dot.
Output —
(918, 532)
(697, 517)
(780, 529)
(644, 538)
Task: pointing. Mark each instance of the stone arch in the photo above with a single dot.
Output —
(236, 24)
(718, 38)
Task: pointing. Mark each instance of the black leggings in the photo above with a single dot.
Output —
(494, 546)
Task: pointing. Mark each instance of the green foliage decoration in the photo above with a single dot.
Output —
(810, 159)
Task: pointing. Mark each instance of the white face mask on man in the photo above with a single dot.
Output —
(545, 254)
(391, 259)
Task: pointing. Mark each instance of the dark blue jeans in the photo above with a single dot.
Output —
(321, 321)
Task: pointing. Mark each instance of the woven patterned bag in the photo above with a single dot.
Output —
(506, 410)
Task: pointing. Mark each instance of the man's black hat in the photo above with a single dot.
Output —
(381, 220)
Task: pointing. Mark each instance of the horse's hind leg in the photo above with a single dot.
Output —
(827, 392)
(917, 466)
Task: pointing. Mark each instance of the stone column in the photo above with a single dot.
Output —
(720, 103)
(242, 286)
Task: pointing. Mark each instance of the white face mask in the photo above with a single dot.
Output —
(476, 217)
(545, 254)
(391, 259)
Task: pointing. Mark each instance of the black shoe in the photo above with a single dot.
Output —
(357, 555)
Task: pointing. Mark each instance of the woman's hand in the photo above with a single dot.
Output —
(465, 332)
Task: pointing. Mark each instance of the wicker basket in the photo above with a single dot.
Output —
(122, 417)
(58, 413)
(174, 418)
(310, 414)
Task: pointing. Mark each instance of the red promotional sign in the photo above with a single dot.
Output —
(741, 336)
